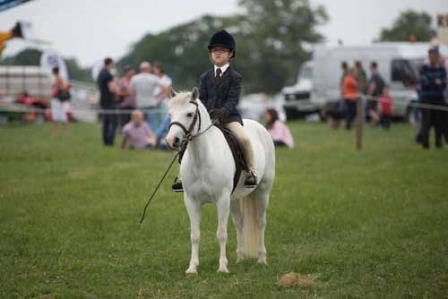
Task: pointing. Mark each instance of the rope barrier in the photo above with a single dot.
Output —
(26, 109)
(414, 104)
(439, 107)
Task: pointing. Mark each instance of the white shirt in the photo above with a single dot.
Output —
(223, 68)
(164, 81)
(144, 85)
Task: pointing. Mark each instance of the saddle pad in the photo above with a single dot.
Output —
(237, 153)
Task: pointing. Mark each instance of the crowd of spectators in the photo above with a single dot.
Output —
(134, 103)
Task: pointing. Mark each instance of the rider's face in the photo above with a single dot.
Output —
(220, 56)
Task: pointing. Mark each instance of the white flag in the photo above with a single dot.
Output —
(51, 59)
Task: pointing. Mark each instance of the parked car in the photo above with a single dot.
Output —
(254, 105)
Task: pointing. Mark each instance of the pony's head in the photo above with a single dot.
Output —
(184, 111)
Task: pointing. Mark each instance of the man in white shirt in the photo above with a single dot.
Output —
(143, 88)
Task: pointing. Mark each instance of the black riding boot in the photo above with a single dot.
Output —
(177, 185)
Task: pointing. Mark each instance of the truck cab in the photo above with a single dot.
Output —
(297, 98)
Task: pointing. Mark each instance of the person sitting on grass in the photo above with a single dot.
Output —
(279, 132)
(137, 133)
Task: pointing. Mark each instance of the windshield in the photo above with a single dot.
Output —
(406, 70)
(306, 73)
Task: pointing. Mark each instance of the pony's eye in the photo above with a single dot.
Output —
(189, 115)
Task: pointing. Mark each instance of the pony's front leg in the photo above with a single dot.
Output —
(223, 206)
(238, 222)
(194, 212)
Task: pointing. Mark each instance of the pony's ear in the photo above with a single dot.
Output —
(194, 94)
(173, 93)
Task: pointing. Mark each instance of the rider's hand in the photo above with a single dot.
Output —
(218, 113)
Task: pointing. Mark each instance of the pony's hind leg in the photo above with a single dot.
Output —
(223, 206)
(262, 196)
(194, 212)
(238, 222)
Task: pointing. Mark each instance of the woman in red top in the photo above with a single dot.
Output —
(350, 91)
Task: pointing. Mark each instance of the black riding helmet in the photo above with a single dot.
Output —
(223, 39)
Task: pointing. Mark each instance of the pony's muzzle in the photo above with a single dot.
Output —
(174, 143)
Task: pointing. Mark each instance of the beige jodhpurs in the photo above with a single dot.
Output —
(238, 130)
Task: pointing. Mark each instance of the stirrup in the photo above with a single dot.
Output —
(250, 181)
(177, 185)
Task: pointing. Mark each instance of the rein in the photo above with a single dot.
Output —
(157, 188)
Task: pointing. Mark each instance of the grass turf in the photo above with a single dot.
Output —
(368, 224)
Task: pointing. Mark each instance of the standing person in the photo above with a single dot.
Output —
(108, 90)
(143, 87)
(341, 102)
(361, 78)
(386, 103)
(125, 99)
(219, 90)
(350, 93)
(344, 68)
(137, 133)
(60, 95)
(162, 92)
(374, 91)
(432, 82)
(279, 132)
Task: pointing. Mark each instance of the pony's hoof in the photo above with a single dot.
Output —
(262, 261)
(191, 271)
(239, 256)
(223, 270)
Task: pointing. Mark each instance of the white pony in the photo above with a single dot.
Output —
(207, 172)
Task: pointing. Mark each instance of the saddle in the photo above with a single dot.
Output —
(237, 152)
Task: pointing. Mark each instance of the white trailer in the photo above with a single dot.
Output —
(398, 64)
(16, 80)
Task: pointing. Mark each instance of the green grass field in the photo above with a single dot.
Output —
(370, 224)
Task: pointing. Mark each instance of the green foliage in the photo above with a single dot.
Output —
(270, 38)
(77, 72)
(370, 224)
(410, 24)
(182, 49)
(273, 35)
(26, 57)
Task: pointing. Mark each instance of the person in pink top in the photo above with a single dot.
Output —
(277, 129)
(137, 133)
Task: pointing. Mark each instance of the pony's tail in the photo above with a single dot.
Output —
(250, 235)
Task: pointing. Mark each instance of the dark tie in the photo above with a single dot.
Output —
(218, 75)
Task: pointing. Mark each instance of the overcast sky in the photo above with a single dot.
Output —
(92, 29)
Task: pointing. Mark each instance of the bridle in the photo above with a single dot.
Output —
(189, 132)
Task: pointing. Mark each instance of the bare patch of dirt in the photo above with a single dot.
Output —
(298, 280)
